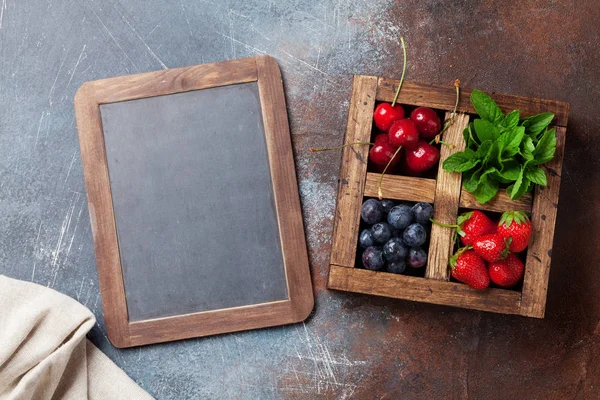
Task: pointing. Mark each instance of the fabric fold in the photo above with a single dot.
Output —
(44, 353)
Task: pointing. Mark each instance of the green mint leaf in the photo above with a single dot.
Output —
(536, 175)
(471, 179)
(510, 189)
(512, 139)
(484, 149)
(487, 188)
(461, 161)
(486, 107)
(518, 183)
(536, 124)
(494, 155)
(472, 135)
(520, 186)
(485, 130)
(510, 170)
(497, 175)
(528, 187)
(545, 148)
(527, 148)
(511, 120)
(528, 144)
(466, 136)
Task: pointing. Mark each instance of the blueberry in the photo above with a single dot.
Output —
(372, 258)
(394, 250)
(400, 216)
(422, 212)
(397, 267)
(415, 235)
(381, 232)
(387, 205)
(365, 239)
(372, 212)
(417, 257)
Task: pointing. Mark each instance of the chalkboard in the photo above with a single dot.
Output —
(193, 201)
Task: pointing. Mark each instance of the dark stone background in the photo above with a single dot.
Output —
(352, 346)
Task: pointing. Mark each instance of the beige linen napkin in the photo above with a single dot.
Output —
(44, 353)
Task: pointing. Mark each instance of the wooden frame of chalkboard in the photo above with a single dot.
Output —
(265, 72)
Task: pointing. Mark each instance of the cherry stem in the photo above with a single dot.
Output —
(403, 71)
(379, 192)
(437, 140)
(449, 122)
(312, 149)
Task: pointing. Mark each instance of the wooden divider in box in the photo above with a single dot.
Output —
(398, 187)
(448, 197)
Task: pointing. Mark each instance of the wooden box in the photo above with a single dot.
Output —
(447, 196)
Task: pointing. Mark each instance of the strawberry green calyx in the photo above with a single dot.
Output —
(459, 252)
(517, 216)
(463, 217)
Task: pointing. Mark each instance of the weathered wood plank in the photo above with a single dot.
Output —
(543, 219)
(175, 80)
(424, 290)
(445, 210)
(399, 187)
(444, 97)
(500, 203)
(353, 172)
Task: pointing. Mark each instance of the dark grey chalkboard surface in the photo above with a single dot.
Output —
(193, 202)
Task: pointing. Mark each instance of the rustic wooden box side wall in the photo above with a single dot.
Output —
(352, 174)
(448, 196)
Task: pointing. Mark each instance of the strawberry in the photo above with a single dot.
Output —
(470, 269)
(517, 226)
(471, 225)
(507, 272)
(492, 247)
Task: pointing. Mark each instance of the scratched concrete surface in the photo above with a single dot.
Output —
(352, 346)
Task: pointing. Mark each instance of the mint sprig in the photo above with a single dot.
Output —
(503, 151)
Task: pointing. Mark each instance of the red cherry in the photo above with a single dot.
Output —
(385, 115)
(405, 169)
(381, 138)
(427, 121)
(383, 151)
(422, 157)
(404, 133)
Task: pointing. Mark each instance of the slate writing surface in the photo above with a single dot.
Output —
(193, 202)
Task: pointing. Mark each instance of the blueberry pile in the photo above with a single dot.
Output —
(395, 235)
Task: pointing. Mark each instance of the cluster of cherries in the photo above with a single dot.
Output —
(414, 135)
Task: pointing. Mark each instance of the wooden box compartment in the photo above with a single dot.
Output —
(446, 194)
